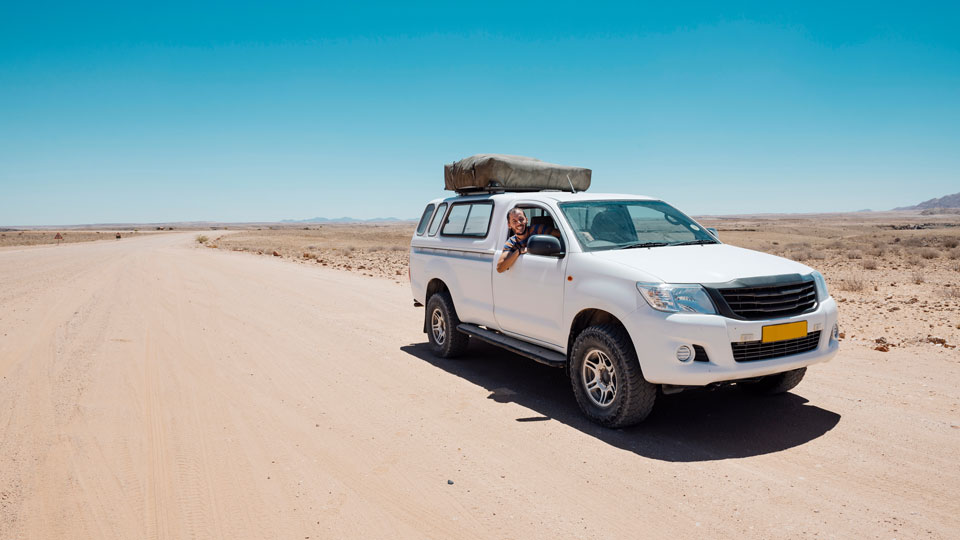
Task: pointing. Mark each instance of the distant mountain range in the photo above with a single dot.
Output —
(344, 220)
(947, 201)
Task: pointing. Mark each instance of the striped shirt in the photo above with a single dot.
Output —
(513, 243)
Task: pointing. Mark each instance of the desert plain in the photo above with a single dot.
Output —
(274, 382)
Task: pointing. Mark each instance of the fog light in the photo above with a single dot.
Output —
(684, 354)
(835, 334)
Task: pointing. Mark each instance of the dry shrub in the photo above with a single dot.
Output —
(876, 252)
(928, 253)
(809, 255)
(913, 241)
(201, 239)
(955, 267)
(913, 261)
(955, 254)
(869, 264)
(951, 292)
(852, 284)
(951, 243)
(836, 244)
(918, 277)
(854, 255)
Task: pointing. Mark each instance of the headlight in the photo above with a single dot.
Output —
(822, 293)
(676, 298)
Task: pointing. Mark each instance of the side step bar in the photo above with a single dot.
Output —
(540, 354)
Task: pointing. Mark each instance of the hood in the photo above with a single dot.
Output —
(711, 263)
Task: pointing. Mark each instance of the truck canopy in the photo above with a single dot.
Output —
(512, 173)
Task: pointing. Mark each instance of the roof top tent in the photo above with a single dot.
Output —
(499, 172)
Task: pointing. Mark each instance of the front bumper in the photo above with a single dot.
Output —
(656, 337)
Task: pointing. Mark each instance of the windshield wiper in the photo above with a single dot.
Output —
(644, 245)
(694, 242)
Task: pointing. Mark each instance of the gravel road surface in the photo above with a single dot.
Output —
(151, 388)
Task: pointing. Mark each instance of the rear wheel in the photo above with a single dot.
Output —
(442, 321)
(606, 378)
(774, 384)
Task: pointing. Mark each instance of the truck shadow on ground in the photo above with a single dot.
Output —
(694, 425)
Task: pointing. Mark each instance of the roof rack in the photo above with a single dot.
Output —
(495, 187)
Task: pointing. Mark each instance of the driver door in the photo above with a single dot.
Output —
(528, 298)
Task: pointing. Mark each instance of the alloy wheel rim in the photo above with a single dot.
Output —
(438, 326)
(599, 378)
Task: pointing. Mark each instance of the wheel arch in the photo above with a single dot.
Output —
(434, 286)
(588, 317)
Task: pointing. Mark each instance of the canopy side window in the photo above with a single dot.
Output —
(437, 218)
(468, 219)
(425, 218)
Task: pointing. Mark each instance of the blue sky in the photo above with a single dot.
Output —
(244, 112)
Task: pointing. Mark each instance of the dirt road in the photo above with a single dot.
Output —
(153, 389)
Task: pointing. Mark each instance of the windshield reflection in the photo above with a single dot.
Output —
(602, 225)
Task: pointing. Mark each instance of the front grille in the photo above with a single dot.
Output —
(771, 301)
(748, 351)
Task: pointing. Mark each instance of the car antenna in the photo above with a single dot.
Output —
(571, 184)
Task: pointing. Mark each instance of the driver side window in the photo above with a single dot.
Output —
(538, 217)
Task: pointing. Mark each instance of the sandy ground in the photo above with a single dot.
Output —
(151, 388)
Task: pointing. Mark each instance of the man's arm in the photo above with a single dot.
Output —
(507, 260)
(546, 229)
(511, 252)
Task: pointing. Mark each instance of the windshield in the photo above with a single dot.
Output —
(600, 225)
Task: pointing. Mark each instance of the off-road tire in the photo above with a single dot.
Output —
(774, 384)
(450, 342)
(634, 396)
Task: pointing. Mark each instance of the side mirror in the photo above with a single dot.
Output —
(714, 232)
(545, 244)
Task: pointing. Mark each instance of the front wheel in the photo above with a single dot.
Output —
(607, 380)
(442, 321)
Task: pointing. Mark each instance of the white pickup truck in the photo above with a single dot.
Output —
(632, 297)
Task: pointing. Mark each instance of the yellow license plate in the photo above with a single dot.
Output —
(780, 332)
